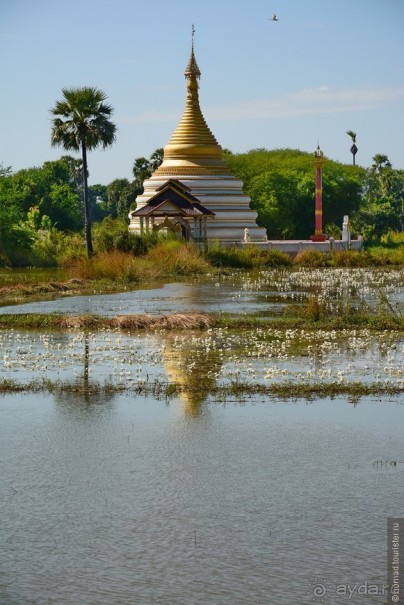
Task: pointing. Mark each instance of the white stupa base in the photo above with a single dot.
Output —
(224, 196)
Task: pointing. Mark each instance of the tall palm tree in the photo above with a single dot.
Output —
(354, 148)
(82, 122)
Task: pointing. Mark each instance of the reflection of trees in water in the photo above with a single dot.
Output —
(82, 394)
(194, 369)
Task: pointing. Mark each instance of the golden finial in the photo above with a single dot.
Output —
(192, 148)
(192, 69)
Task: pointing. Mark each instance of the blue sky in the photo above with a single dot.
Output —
(326, 66)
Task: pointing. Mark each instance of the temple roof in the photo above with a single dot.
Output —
(173, 198)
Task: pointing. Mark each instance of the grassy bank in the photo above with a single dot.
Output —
(186, 321)
(220, 393)
(116, 270)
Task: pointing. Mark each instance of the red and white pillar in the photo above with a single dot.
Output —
(319, 236)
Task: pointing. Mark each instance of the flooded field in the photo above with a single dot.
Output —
(259, 293)
(126, 500)
(205, 358)
(112, 497)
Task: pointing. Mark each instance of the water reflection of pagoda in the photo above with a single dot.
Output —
(194, 370)
(193, 192)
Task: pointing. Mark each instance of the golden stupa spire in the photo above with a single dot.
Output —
(192, 147)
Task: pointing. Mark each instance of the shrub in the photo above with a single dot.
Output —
(72, 248)
(114, 234)
(350, 258)
(387, 256)
(276, 258)
(310, 258)
(115, 266)
(246, 257)
(393, 238)
(175, 257)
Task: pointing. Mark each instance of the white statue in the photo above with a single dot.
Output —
(246, 239)
(346, 235)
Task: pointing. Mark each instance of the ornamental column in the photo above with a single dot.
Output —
(319, 236)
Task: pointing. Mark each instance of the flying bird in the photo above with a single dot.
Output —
(274, 18)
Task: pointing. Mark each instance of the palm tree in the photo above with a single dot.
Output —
(380, 161)
(82, 122)
(354, 148)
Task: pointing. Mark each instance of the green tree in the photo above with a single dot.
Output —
(97, 196)
(81, 122)
(121, 194)
(354, 149)
(51, 188)
(383, 200)
(156, 158)
(143, 168)
(5, 170)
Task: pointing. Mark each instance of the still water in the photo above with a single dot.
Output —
(128, 500)
(157, 300)
(264, 292)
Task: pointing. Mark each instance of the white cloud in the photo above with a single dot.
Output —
(322, 99)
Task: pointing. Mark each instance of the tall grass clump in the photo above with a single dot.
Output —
(350, 258)
(310, 258)
(245, 257)
(387, 256)
(393, 239)
(115, 266)
(174, 257)
(276, 258)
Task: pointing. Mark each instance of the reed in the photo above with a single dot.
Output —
(351, 258)
(238, 390)
(295, 316)
(246, 257)
(174, 257)
(310, 258)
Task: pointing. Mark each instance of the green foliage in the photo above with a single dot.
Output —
(246, 257)
(143, 168)
(167, 258)
(113, 234)
(382, 209)
(382, 255)
(51, 188)
(48, 247)
(120, 196)
(310, 258)
(351, 258)
(281, 184)
(393, 239)
(175, 257)
(97, 199)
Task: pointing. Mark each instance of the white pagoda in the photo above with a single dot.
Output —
(204, 201)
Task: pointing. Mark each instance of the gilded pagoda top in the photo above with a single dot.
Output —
(192, 147)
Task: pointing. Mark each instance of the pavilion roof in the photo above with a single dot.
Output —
(173, 198)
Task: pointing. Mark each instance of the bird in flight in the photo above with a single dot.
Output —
(274, 18)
